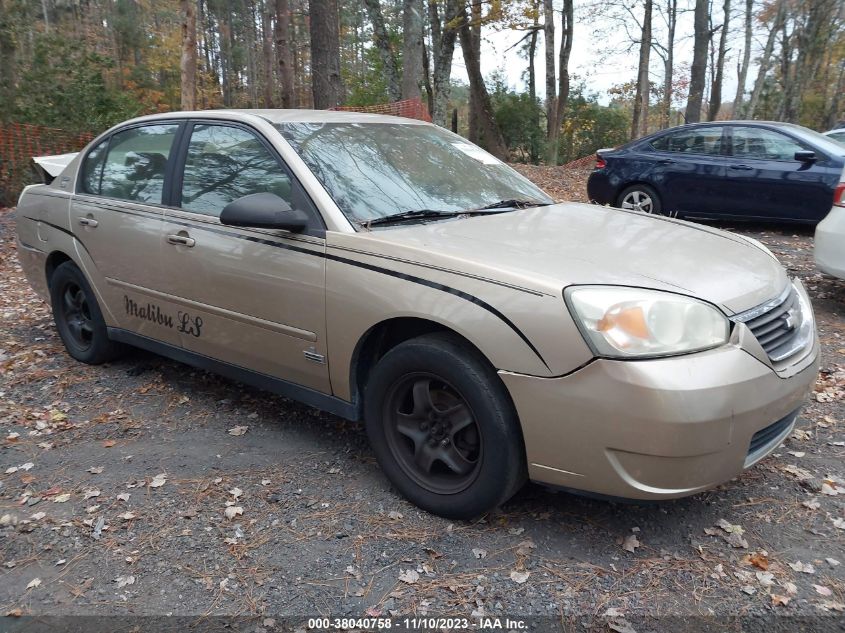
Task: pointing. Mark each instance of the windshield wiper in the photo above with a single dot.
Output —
(514, 203)
(408, 216)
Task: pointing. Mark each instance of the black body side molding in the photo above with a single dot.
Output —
(324, 402)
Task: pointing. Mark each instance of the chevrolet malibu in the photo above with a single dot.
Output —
(386, 270)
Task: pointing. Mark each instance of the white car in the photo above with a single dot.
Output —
(829, 250)
(837, 134)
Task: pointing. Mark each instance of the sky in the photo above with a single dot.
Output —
(599, 56)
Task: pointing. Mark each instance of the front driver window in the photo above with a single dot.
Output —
(699, 140)
(225, 163)
(136, 162)
(759, 143)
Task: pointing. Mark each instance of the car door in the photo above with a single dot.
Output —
(689, 169)
(117, 214)
(765, 180)
(253, 298)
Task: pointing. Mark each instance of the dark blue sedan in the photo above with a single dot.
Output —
(748, 170)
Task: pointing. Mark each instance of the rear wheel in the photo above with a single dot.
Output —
(443, 427)
(640, 198)
(78, 317)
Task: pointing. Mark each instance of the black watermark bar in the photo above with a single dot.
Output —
(769, 623)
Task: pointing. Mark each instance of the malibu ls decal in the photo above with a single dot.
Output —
(185, 323)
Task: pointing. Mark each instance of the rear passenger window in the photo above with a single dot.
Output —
(136, 162)
(225, 163)
(700, 140)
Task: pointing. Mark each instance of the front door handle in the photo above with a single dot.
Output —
(88, 222)
(742, 167)
(181, 240)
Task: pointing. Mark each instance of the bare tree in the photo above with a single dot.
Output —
(639, 123)
(188, 61)
(481, 109)
(412, 45)
(719, 65)
(267, 53)
(766, 59)
(443, 36)
(557, 96)
(667, 53)
(284, 53)
(326, 85)
(382, 43)
(742, 69)
(698, 70)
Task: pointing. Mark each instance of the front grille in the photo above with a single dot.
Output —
(766, 439)
(777, 325)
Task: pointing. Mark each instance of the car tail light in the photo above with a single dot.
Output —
(601, 163)
(839, 195)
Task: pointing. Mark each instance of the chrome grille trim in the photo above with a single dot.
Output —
(782, 326)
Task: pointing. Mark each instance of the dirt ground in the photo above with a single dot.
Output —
(145, 487)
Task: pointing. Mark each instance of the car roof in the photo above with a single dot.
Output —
(285, 116)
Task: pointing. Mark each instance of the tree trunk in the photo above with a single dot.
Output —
(532, 81)
(443, 49)
(698, 70)
(326, 85)
(267, 49)
(382, 42)
(489, 135)
(742, 73)
(412, 42)
(552, 130)
(765, 60)
(719, 71)
(639, 125)
(669, 62)
(429, 91)
(284, 53)
(188, 61)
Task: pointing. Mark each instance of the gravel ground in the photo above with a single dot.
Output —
(144, 487)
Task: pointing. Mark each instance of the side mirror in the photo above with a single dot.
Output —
(805, 156)
(264, 211)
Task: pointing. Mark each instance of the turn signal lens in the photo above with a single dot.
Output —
(630, 322)
(839, 195)
(600, 163)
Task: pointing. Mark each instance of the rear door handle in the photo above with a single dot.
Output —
(666, 161)
(742, 167)
(181, 240)
(88, 222)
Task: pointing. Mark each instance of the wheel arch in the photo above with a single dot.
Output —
(54, 260)
(387, 334)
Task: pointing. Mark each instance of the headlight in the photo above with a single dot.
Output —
(630, 323)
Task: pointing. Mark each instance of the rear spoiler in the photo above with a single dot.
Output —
(46, 168)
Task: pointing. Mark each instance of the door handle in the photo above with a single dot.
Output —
(742, 167)
(88, 222)
(666, 161)
(181, 240)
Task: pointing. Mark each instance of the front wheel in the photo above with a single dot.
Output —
(640, 198)
(443, 427)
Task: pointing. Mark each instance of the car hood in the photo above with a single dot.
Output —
(548, 248)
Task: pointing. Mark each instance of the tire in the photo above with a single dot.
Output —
(459, 452)
(78, 317)
(640, 198)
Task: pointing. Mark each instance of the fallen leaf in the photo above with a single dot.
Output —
(759, 561)
(232, 511)
(395, 515)
(797, 471)
(832, 562)
(812, 504)
(631, 543)
(797, 453)
(779, 601)
(159, 480)
(123, 496)
(109, 443)
(236, 492)
(38, 516)
(126, 516)
(804, 568)
(520, 577)
(823, 591)
(410, 576)
(749, 590)
(91, 493)
(95, 470)
(35, 582)
(839, 523)
(478, 552)
(62, 498)
(123, 581)
(238, 430)
(765, 578)
(829, 605)
(829, 490)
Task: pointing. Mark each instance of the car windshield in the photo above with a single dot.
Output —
(372, 170)
(824, 143)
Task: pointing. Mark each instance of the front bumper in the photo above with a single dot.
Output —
(659, 429)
